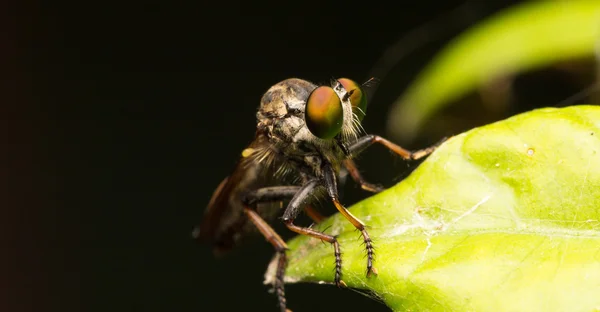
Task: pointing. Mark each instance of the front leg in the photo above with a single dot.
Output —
(296, 204)
(362, 143)
(329, 178)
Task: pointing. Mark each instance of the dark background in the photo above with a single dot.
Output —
(140, 109)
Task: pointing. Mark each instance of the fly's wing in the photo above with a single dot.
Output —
(224, 224)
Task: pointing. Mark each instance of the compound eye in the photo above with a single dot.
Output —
(358, 98)
(324, 114)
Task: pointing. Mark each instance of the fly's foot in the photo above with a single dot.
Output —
(370, 253)
(373, 188)
(338, 263)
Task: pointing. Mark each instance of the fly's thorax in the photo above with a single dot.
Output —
(332, 157)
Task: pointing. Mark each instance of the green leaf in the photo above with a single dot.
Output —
(504, 217)
(524, 37)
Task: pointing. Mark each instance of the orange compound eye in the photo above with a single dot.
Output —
(324, 114)
(358, 99)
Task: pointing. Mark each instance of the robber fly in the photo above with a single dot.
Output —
(305, 136)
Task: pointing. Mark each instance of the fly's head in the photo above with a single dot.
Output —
(297, 115)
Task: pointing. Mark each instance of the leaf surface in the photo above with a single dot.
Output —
(504, 217)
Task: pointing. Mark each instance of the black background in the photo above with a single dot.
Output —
(141, 108)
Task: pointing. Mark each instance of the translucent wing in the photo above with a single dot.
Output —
(224, 224)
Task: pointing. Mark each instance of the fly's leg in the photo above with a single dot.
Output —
(270, 194)
(331, 186)
(280, 248)
(296, 204)
(326, 238)
(357, 177)
(369, 139)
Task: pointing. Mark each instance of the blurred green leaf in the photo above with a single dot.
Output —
(505, 217)
(524, 37)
